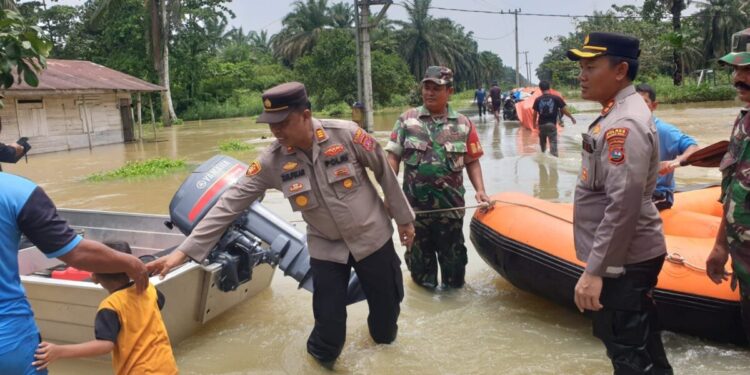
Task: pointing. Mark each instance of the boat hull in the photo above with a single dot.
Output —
(553, 278)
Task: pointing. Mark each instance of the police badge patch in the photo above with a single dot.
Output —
(253, 169)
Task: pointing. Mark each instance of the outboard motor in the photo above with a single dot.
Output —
(256, 236)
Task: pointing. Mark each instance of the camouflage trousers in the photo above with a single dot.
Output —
(741, 277)
(438, 240)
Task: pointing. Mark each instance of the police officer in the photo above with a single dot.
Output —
(319, 166)
(617, 228)
(734, 232)
(436, 143)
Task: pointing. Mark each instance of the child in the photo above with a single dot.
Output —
(128, 324)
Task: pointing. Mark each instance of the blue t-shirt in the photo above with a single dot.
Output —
(479, 95)
(672, 143)
(25, 208)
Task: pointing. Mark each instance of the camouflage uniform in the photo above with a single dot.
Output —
(735, 184)
(434, 152)
(735, 195)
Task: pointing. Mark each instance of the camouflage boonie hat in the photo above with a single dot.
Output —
(740, 55)
(438, 74)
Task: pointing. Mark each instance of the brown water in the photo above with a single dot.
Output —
(486, 327)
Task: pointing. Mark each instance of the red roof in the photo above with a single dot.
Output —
(75, 75)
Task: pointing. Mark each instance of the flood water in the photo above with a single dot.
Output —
(487, 327)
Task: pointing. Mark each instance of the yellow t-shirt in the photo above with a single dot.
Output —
(142, 345)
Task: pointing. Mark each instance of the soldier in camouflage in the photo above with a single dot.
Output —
(436, 144)
(734, 233)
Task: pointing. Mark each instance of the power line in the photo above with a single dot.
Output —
(498, 38)
(574, 16)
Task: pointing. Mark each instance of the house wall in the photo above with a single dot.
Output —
(62, 122)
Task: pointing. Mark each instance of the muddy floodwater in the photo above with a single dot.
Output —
(488, 327)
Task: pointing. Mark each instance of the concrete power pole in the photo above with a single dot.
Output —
(526, 64)
(518, 78)
(363, 31)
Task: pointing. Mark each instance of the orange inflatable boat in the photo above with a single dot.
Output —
(530, 243)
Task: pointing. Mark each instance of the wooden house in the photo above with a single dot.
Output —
(77, 104)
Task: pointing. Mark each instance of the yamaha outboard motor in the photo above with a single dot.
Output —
(256, 236)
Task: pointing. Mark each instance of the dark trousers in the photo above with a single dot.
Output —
(744, 301)
(438, 240)
(482, 109)
(383, 285)
(628, 324)
(548, 132)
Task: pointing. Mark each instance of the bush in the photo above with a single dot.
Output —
(235, 145)
(667, 93)
(338, 110)
(241, 104)
(141, 168)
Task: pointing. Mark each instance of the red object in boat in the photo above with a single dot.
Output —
(71, 273)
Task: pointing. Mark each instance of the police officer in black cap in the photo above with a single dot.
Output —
(617, 228)
(320, 167)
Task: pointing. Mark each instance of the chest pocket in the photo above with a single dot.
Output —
(590, 163)
(454, 154)
(297, 188)
(343, 179)
(414, 149)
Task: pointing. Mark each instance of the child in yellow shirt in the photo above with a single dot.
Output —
(128, 325)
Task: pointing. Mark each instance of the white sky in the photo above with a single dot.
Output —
(493, 32)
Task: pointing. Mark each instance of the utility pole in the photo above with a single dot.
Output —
(526, 65)
(515, 16)
(359, 55)
(363, 33)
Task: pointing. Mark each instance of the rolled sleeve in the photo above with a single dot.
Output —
(236, 199)
(396, 142)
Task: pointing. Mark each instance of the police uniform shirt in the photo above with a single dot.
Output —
(615, 220)
(342, 208)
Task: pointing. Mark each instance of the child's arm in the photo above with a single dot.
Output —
(48, 352)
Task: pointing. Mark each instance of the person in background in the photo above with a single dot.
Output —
(497, 102)
(26, 209)
(547, 110)
(13, 152)
(674, 147)
(128, 325)
(480, 98)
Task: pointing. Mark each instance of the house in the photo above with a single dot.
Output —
(77, 104)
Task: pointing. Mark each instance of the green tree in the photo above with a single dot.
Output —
(341, 15)
(720, 19)
(23, 53)
(330, 72)
(302, 28)
(160, 16)
(676, 39)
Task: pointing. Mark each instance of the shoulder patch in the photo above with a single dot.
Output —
(365, 140)
(616, 154)
(616, 135)
(253, 169)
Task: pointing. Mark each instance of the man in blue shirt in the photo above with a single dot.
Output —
(25, 208)
(674, 147)
(479, 97)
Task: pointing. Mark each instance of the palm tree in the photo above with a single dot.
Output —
(341, 15)
(161, 15)
(302, 28)
(426, 41)
(260, 42)
(721, 18)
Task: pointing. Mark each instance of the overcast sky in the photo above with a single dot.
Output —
(493, 32)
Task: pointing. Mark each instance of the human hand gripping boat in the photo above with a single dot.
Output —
(240, 266)
(530, 243)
